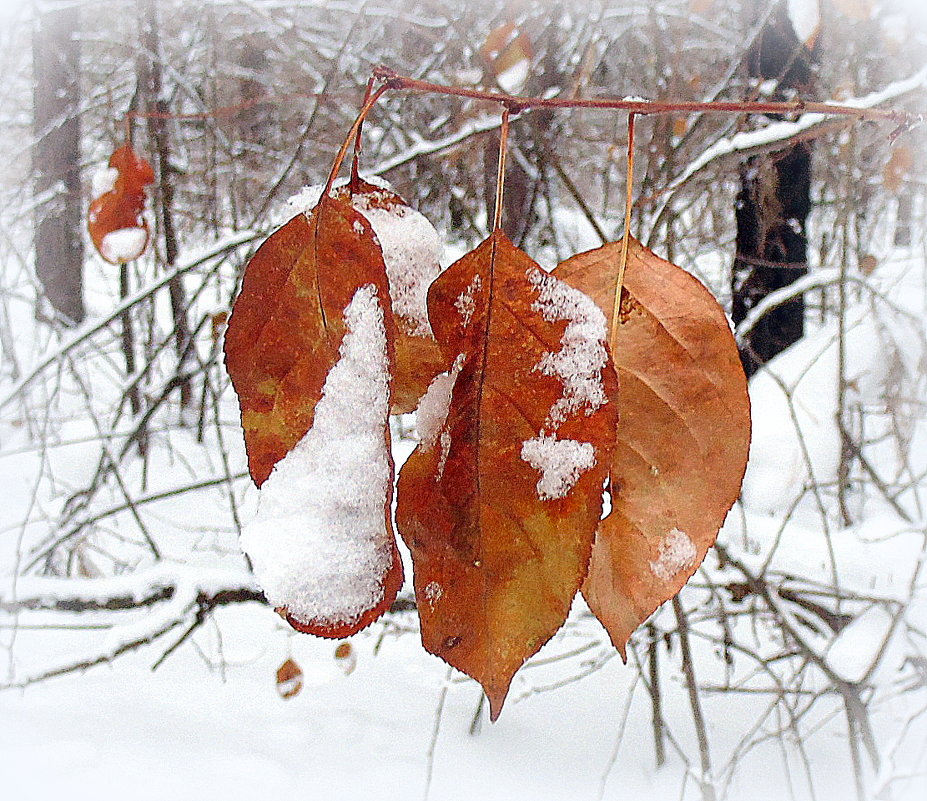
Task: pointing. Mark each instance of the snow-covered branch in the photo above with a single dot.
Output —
(170, 595)
(220, 248)
(428, 147)
(775, 134)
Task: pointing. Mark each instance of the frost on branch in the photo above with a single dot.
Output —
(320, 544)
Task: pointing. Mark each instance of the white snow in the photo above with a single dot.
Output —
(103, 181)
(794, 399)
(677, 553)
(579, 362)
(124, 244)
(433, 593)
(466, 300)
(512, 79)
(561, 462)
(411, 252)
(805, 16)
(858, 646)
(431, 413)
(318, 543)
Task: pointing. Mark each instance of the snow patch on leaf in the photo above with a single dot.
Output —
(431, 413)
(677, 553)
(433, 593)
(561, 462)
(411, 252)
(318, 543)
(103, 181)
(123, 244)
(466, 303)
(579, 362)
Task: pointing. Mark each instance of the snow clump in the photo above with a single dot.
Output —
(677, 553)
(319, 543)
(411, 252)
(578, 364)
(561, 462)
(103, 181)
(124, 244)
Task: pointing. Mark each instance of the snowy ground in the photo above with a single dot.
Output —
(209, 723)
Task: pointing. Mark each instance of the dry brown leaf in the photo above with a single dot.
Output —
(859, 10)
(287, 324)
(289, 679)
(507, 54)
(897, 168)
(283, 340)
(499, 502)
(683, 436)
(115, 219)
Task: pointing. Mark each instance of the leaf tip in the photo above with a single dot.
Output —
(496, 701)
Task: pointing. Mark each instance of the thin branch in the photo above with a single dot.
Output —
(638, 106)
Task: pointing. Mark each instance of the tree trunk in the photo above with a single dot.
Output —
(58, 242)
(772, 207)
(149, 72)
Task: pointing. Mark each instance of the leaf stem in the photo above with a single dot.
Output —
(500, 174)
(358, 143)
(369, 103)
(628, 203)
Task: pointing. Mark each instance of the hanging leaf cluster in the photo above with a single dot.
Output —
(115, 220)
(558, 454)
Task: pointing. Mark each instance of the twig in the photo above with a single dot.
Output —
(638, 106)
(688, 668)
(436, 729)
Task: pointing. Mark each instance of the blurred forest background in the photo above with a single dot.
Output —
(121, 460)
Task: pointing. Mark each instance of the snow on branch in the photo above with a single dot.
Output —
(747, 142)
(820, 279)
(425, 147)
(144, 588)
(173, 596)
(92, 327)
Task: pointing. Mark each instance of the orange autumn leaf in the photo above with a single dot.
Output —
(117, 228)
(411, 249)
(289, 679)
(500, 500)
(897, 168)
(308, 348)
(507, 54)
(683, 437)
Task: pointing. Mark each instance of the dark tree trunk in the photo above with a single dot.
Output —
(58, 242)
(149, 72)
(772, 207)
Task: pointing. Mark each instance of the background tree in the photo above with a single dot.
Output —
(56, 157)
(774, 201)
